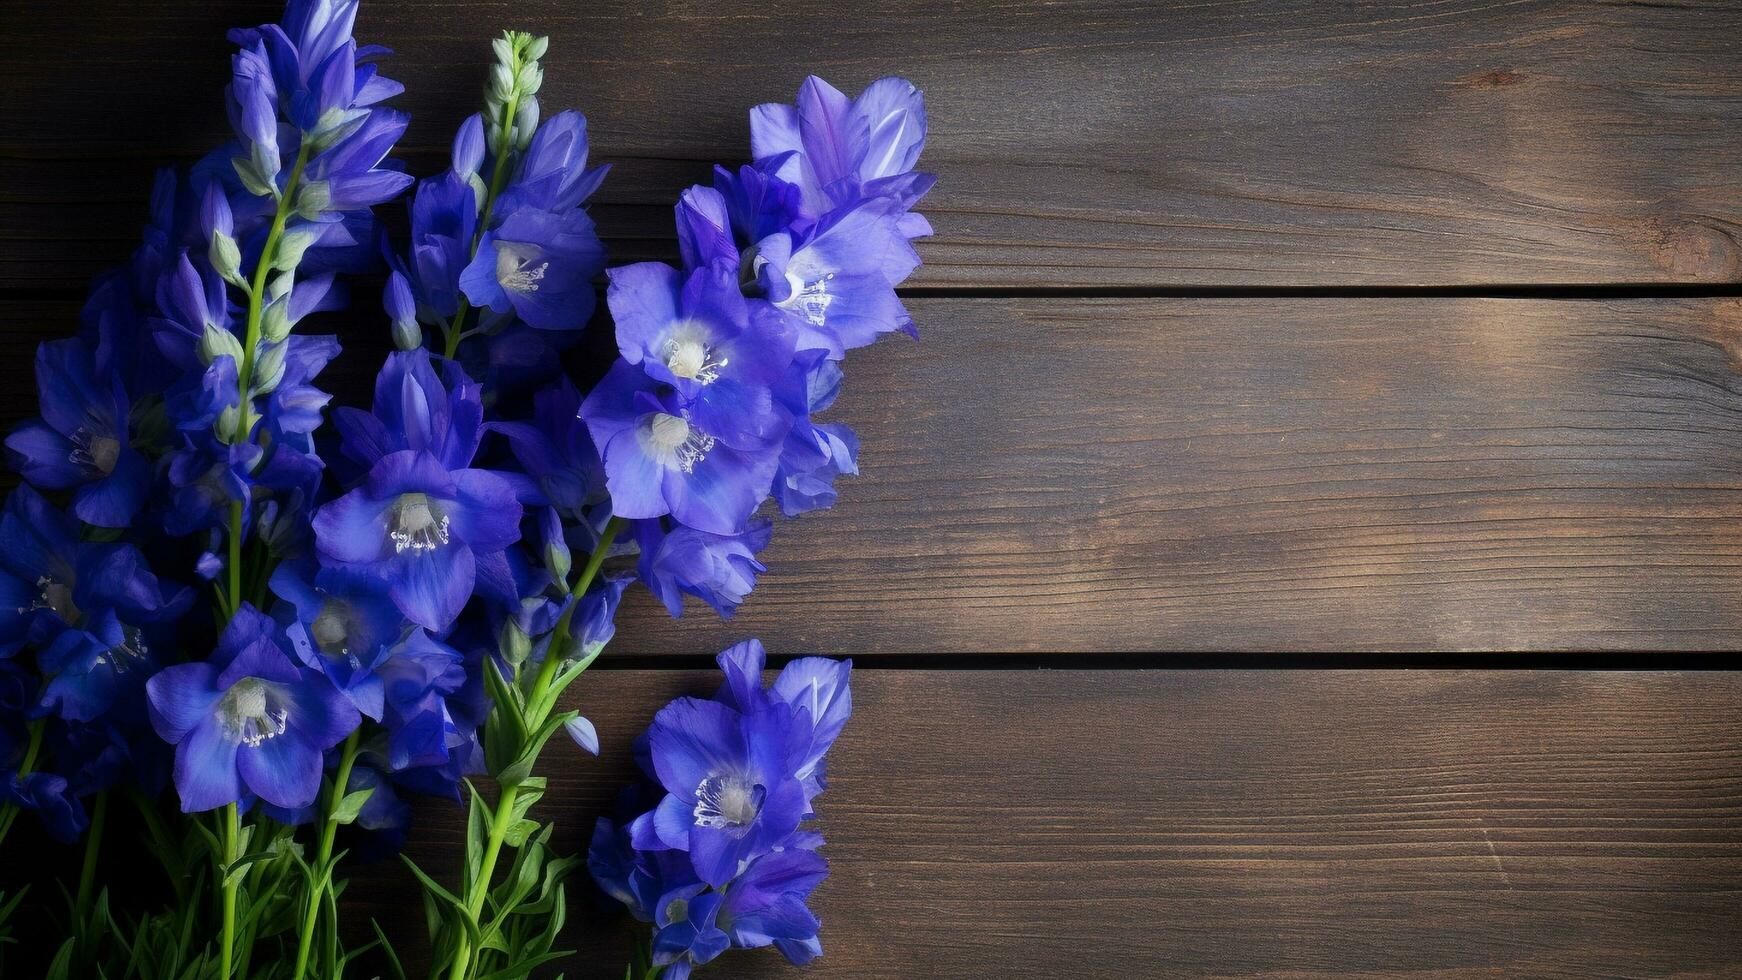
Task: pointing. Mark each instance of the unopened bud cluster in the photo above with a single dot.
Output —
(511, 95)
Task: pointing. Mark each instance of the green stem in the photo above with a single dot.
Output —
(9, 813)
(232, 830)
(330, 828)
(498, 175)
(251, 340)
(235, 596)
(504, 814)
(93, 844)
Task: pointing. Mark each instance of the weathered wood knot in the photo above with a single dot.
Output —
(1697, 249)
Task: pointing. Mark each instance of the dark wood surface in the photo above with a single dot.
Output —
(1085, 455)
(1280, 142)
(1233, 823)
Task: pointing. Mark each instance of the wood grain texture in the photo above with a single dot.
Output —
(1289, 475)
(1055, 476)
(1215, 823)
(1281, 142)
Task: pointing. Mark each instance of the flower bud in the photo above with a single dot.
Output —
(407, 336)
(501, 83)
(469, 146)
(269, 369)
(292, 246)
(280, 285)
(402, 310)
(215, 215)
(314, 197)
(275, 324)
(513, 643)
(525, 122)
(556, 547)
(225, 427)
(504, 48)
(530, 79)
(218, 342)
(583, 733)
(227, 259)
(536, 48)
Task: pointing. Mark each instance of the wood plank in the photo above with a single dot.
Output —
(1055, 476)
(1226, 823)
(1080, 142)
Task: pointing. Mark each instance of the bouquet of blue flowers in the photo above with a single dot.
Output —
(266, 633)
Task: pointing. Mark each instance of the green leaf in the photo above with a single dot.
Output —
(530, 791)
(59, 968)
(521, 769)
(477, 834)
(351, 805)
(387, 950)
(519, 831)
(521, 968)
(430, 883)
(236, 870)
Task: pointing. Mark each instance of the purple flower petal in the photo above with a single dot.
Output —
(180, 698)
(432, 590)
(284, 771)
(353, 528)
(205, 769)
(691, 740)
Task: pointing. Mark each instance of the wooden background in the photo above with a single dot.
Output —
(1255, 335)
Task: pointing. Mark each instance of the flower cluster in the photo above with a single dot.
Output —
(72, 718)
(401, 604)
(186, 406)
(788, 263)
(721, 858)
(518, 247)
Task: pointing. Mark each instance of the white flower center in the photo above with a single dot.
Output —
(809, 299)
(675, 443)
(94, 451)
(56, 597)
(252, 711)
(331, 631)
(728, 802)
(416, 524)
(516, 271)
(687, 356)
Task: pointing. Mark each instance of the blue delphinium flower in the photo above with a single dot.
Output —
(81, 442)
(419, 677)
(553, 448)
(248, 718)
(93, 610)
(422, 403)
(540, 266)
(341, 623)
(720, 860)
(719, 569)
(687, 421)
(839, 151)
(423, 518)
(814, 453)
(788, 263)
(531, 270)
(420, 528)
